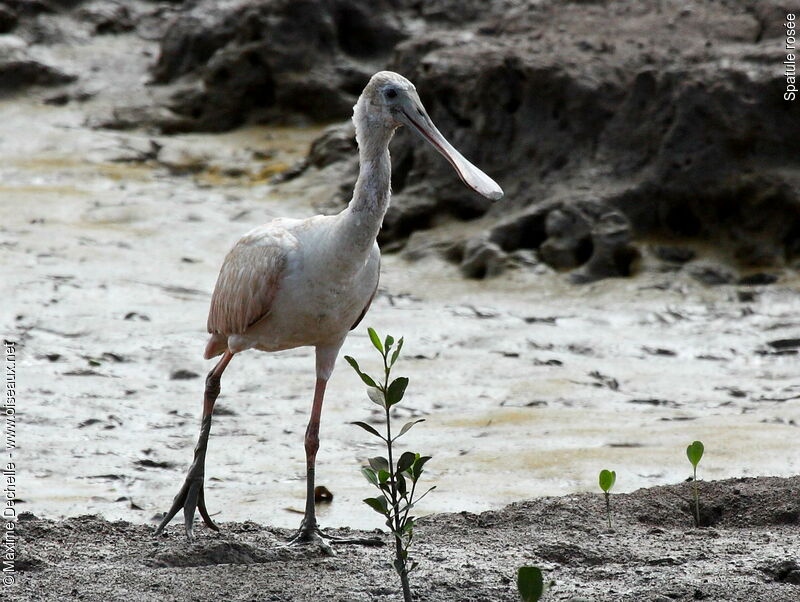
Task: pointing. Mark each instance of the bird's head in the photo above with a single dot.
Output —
(388, 101)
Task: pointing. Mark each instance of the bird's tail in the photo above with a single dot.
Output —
(217, 345)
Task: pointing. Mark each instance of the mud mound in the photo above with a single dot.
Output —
(659, 118)
(732, 503)
(653, 553)
(274, 59)
(19, 69)
(737, 503)
(671, 117)
(205, 555)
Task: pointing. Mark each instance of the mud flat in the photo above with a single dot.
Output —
(533, 383)
(747, 550)
(111, 241)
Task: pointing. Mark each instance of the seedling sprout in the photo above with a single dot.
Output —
(695, 452)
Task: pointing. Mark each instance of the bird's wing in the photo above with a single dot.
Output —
(366, 307)
(248, 281)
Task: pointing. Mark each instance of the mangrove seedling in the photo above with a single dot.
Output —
(607, 480)
(530, 583)
(695, 452)
(396, 483)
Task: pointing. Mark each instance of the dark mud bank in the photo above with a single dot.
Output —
(747, 550)
(603, 122)
(607, 124)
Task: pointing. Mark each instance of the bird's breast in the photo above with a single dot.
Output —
(319, 301)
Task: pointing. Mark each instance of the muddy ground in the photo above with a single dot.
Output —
(748, 552)
(111, 242)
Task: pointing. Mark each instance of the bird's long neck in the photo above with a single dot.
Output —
(364, 215)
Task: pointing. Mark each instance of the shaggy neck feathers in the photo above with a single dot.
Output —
(372, 192)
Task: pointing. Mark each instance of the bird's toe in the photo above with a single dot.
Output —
(311, 537)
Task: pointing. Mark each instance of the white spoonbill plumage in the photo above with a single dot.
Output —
(308, 282)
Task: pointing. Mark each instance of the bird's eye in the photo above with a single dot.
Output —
(391, 93)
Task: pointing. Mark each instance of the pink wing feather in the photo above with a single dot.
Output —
(246, 286)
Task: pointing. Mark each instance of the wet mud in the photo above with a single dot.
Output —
(746, 549)
(111, 241)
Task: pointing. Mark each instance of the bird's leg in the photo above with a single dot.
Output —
(190, 496)
(309, 531)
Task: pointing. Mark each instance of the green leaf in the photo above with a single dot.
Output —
(365, 377)
(406, 461)
(376, 396)
(401, 485)
(407, 426)
(378, 504)
(695, 452)
(388, 342)
(368, 380)
(396, 391)
(370, 475)
(369, 429)
(396, 353)
(376, 340)
(353, 363)
(607, 479)
(416, 470)
(383, 476)
(379, 463)
(530, 583)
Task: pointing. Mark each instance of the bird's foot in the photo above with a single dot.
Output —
(191, 497)
(312, 535)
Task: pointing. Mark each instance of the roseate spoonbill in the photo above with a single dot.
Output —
(293, 283)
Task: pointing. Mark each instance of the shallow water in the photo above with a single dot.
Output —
(529, 385)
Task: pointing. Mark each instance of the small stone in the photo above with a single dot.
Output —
(183, 374)
(569, 243)
(482, 259)
(711, 274)
(759, 278)
(107, 18)
(336, 143)
(674, 254)
(613, 255)
(781, 344)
